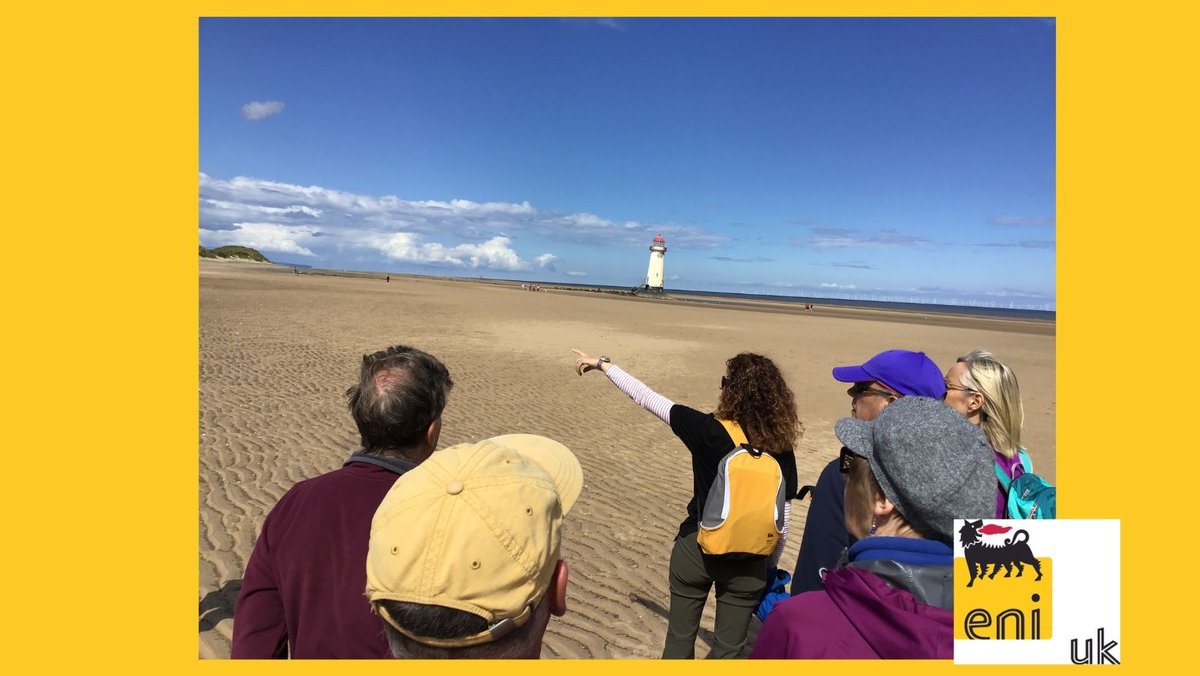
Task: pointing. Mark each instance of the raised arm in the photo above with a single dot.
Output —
(635, 389)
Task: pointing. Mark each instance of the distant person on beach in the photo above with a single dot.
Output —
(880, 381)
(465, 559)
(754, 395)
(388, 279)
(985, 391)
(911, 471)
(302, 593)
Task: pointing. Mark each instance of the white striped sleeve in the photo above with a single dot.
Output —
(641, 394)
(783, 536)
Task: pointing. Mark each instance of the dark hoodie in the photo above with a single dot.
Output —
(903, 610)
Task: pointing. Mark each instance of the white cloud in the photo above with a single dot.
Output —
(254, 211)
(494, 254)
(264, 237)
(833, 285)
(839, 238)
(746, 259)
(260, 110)
(592, 229)
(1024, 221)
(1022, 244)
(586, 22)
(467, 206)
(576, 273)
(405, 246)
(454, 232)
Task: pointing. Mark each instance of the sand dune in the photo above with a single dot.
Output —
(278, 350)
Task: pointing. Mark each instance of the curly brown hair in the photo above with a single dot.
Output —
(756, 396)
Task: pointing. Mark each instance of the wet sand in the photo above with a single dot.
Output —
(277, 351)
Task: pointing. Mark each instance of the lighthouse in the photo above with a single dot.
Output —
(654, 275)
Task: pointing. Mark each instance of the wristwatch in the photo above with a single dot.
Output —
(602, 360)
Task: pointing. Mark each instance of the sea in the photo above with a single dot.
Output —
(994, 311)
(923, 308)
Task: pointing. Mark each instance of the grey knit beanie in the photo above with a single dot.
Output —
(931, 463)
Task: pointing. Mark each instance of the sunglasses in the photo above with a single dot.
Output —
(863, 389)
(846, 459)
(951, 386)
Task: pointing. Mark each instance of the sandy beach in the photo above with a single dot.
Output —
(278, 350)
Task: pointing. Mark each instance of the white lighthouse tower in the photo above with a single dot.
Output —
(654, 275)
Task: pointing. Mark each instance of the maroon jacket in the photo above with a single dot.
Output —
(303, 591)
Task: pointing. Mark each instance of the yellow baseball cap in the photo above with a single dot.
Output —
(476, 527)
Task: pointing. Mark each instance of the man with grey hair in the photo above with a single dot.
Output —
(301, 594)
(465, 551)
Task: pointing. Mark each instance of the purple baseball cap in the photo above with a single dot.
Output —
(907, 372)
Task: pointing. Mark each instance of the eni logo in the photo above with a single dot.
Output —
(1014, 606)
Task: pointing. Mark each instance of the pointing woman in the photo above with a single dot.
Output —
(754, 395)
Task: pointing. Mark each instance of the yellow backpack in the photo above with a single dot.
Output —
(743, 513)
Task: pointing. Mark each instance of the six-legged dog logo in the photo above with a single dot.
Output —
(1017, 605)
(1013, 552)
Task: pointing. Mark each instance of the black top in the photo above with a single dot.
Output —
(825, 534)
(708, 442)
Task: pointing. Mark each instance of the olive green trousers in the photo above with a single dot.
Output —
(739, 582)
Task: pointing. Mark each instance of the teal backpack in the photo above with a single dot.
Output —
(1029, 495)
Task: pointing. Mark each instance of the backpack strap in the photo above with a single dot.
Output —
(1005, 479)
(1026, 462)
(1026, 467)
(735, 431)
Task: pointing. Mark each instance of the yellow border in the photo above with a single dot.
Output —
(100, 285)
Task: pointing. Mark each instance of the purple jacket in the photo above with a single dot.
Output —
(1013, 468)
(303, 591)
(856, 616)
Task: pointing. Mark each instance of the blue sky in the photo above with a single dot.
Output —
(884, 159)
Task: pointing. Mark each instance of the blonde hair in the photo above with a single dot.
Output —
(1003, 414)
